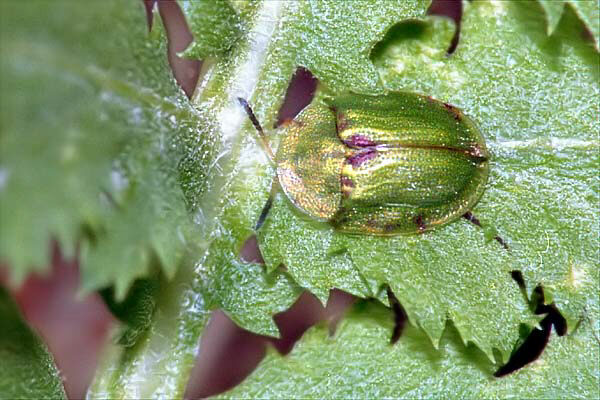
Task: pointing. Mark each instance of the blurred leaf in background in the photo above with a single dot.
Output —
(90, 117)
(28, 370)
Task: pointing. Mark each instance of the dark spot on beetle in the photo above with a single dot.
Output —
(420, 223)
(389, 228)
(342, 122)
(476, 154)
(362, 156)
(359, 141)
(347, 185)
(371, 223)
(347, 181)
(456, 113)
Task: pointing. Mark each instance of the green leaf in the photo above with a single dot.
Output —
(28, 370)
(124, 252)
(215, 25)
(98, 143)
(529, 93)
(155, 355)
(137, 310)
(358, 362)
(587, 11)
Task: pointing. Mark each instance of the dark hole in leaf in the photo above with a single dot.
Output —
(75, 328)
(451, 9)
(337, 305)
(518, 277)
(299, 94)
(149, 6)
(535, 342)
(250, 252)
(292, 323)
(185, 71)
(223, 341)
(530, 349)
(399, 316)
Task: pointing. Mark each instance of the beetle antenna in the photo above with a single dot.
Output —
(475, 221)
(258, 127)
(267, 206)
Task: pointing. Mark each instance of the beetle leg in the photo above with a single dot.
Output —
(420, 224)
(261, 132)
(267, 207)
(473, 219)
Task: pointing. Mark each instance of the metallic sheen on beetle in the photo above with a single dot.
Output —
(399, 163)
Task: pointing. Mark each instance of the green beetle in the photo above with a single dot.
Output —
(399, 163)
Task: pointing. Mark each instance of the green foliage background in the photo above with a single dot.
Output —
(99, 146)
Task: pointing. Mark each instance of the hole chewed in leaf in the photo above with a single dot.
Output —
(452, 9)
(74, 327)
(186, 72)
(529, 351)
(338, 303)
(299, 94)
(149, 6)
(292, 323)
(224, 341)
(250, 252)
(536, 340)
(400, 316)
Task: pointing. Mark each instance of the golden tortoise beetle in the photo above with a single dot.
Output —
(398, 163)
